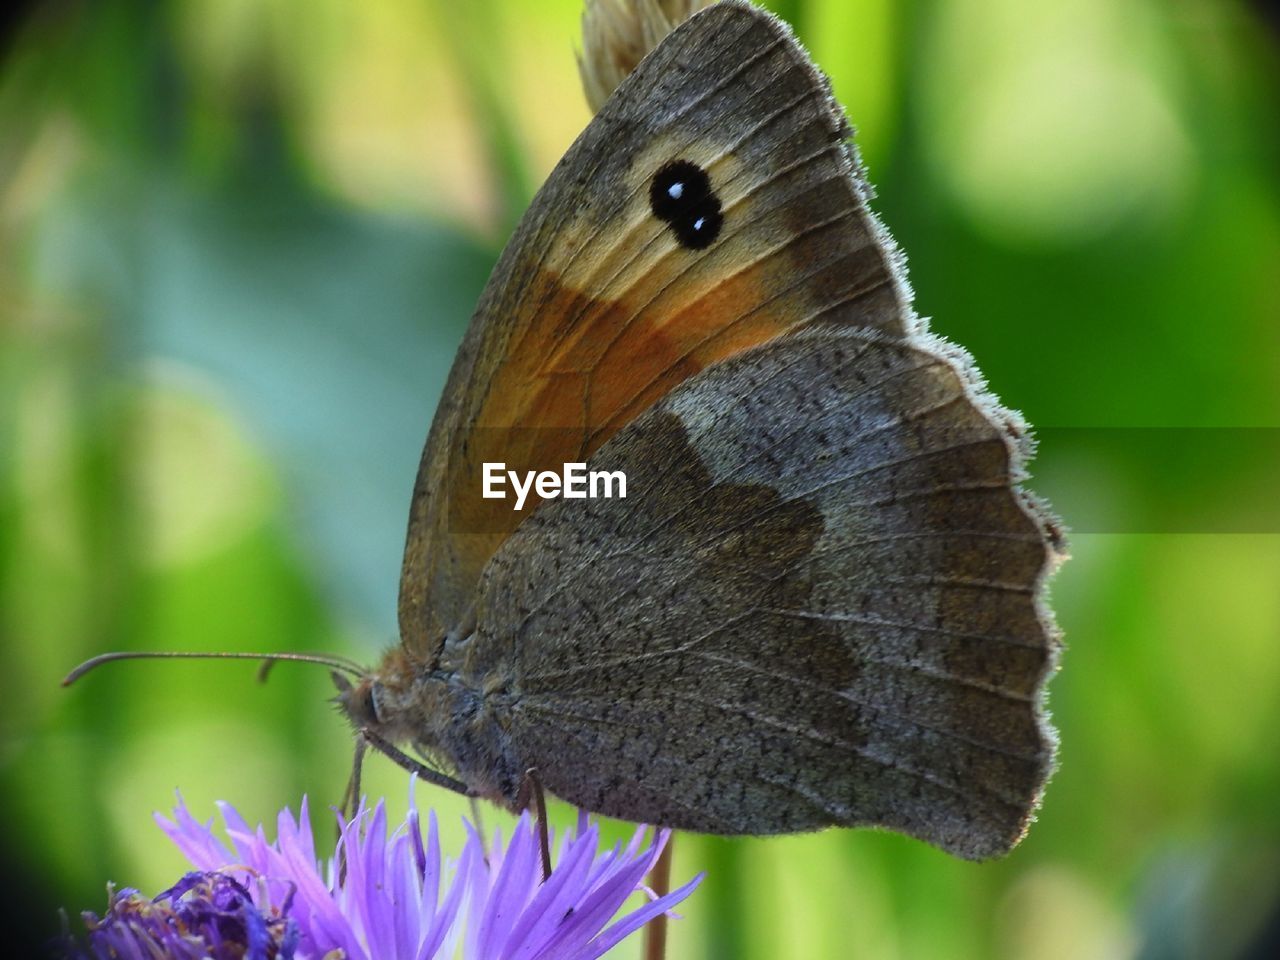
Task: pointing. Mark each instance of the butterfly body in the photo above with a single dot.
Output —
(820, 602)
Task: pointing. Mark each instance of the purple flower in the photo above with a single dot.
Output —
(395, 899)
(202, 915)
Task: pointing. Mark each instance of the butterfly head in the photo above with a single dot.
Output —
(388, 700)
(358, 700)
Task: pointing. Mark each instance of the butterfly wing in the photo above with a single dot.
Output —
(818, 604)
(597, 308)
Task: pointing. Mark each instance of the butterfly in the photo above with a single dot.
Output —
(821, 601)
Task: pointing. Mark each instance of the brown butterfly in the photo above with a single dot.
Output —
(820, 602)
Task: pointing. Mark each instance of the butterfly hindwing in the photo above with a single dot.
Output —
(818, 604)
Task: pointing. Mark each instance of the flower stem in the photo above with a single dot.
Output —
(655, 932)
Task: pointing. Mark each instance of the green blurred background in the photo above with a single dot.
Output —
(240, 239)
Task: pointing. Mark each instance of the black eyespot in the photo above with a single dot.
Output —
(681, 196)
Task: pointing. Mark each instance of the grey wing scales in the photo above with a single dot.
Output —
(819, 604)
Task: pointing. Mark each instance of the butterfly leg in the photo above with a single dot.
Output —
(351, 795)
(350, 804)
(477, 817)
(531, 790)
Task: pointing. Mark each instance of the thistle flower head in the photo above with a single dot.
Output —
(203, 915)
(616, 36)
(396, 898)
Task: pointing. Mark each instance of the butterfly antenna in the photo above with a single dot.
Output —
(337, 663)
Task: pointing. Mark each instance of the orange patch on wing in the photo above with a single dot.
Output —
(620, 356)
(585, 368)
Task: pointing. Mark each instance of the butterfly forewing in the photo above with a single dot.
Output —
(599, 307)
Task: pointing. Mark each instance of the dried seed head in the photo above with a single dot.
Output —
(616, 35)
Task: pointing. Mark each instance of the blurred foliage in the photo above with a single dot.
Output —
(239, 241)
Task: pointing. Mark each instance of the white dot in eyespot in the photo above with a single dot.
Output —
(676, 190)
(697, 224)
